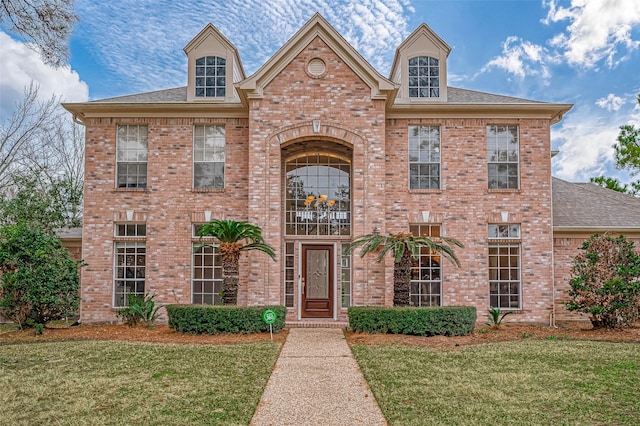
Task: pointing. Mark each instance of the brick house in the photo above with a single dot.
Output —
(397, 154)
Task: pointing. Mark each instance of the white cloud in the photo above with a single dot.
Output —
(522, 59)
(611, 102)
(585, 146)
(598, 30)
(21, 65)
(143, 41)
(585, 139)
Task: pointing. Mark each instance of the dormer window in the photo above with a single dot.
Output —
(424, 77)
(210, 77)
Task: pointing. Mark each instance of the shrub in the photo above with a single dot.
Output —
(605, 281)
(140, 309)
(208, 319)
(496, 316)
(39, 280)
(432, 321)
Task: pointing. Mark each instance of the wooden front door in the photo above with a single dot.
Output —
(317, 281)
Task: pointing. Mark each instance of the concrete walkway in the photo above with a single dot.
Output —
(316, 381)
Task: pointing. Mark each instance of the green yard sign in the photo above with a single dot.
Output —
(269, 316)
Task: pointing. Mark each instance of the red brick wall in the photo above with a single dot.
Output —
(342, 102)
(169, 205)
(465, 206)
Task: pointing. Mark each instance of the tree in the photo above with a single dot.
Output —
(47, 24)
(234, 237)
(23, 130)
(41, 165)
(605, 281)
(39, 281)
(405, 248)
(627, 155)
(615, 185)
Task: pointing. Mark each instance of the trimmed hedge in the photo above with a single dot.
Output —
(433, 321)
(208, 319)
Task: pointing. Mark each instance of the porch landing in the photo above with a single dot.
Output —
(318, 323)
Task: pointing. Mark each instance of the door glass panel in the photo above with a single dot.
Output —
(317, 274)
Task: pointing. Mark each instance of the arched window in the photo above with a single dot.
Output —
(210, 77)
(318, 194)
(424, 77)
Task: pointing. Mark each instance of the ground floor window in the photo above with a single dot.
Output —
(130, 263)
(206, 276)
(345, 275)
(426, 273)
(289, 275)
(504, 267)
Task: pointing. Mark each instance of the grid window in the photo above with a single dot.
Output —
(424, 77)
(211, 77)
(426, 273)
(345, 274)
(289, 275)
(502, 157)
(132, 156)
(131, 230)
(206, 276)
(130, 263)
(424, 157)
(208, 156)
(504, 267)
(504, 231)
(317, 198)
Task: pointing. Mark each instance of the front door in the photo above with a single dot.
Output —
(317, 281)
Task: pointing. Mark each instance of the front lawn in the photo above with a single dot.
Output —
(513, 383)
(115, 383)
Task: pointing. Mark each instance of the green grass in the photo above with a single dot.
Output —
(113, 383)
(517, 383)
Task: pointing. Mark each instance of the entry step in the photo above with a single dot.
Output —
(316, 324)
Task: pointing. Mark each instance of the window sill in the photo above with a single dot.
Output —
(425, 191)
(512, 191)
(208, 190)
(132, 189)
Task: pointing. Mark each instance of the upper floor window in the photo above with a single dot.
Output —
(132, 156)
(210, 77)
(503, 157)
(424, 77)
(208, 156)
(424, 157)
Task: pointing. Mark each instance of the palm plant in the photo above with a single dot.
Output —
(405, 248)
(234, 237)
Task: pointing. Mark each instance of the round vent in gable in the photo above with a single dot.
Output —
(316, 67)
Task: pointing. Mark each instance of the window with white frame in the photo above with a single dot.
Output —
(289, 274)
(206, 276)
(426, 273)
(424, 157)
(131, 157)
(345, 274)
(130, 262)
(505, 286)
(424, 77)
(208, 156)
(211, 77)
(503, 156)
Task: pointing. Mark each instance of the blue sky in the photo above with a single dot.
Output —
(584, 52)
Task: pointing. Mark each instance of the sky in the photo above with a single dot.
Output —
(582, 52)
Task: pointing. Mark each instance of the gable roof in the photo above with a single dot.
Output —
(211, 31)
(425, 31)
(317, 26)
(590, 207)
